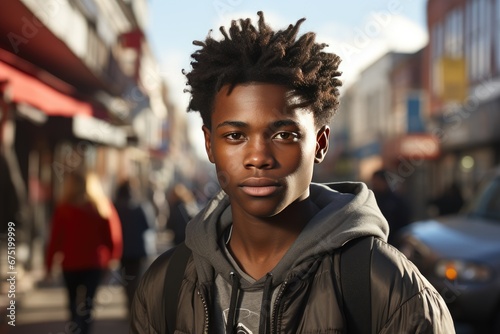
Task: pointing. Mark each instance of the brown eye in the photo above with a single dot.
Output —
(234, 136)
(287, 136)
(283, 135)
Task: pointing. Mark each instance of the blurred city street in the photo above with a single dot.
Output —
(94, 129)
(43, 310)
(41, 307)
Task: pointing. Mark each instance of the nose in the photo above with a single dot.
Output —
(259, 154)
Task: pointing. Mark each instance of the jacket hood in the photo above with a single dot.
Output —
(348, 210)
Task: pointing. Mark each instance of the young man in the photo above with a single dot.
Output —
(265, 251)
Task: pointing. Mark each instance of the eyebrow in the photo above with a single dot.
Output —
(236, 124)
(276, 124)
(284, 122)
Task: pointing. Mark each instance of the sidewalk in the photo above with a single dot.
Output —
(43, 310)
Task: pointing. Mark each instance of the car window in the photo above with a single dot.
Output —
(487, 205)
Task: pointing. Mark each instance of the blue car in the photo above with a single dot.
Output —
(460, 256)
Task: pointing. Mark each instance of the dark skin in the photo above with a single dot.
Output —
(264, 152)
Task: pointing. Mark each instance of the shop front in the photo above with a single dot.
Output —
(52, 132)
(470, 143)
(408, 157)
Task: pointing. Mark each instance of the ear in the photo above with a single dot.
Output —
(208, 143)
(322, 143)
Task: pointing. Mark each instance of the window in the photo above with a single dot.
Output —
(437, 37)
(478, 37)
(453, 39)
(496, 33)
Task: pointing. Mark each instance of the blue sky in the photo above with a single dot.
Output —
(359, 31)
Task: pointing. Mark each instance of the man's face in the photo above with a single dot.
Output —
(264, 151)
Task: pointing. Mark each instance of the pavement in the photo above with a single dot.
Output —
(43, 310)
(41, 306)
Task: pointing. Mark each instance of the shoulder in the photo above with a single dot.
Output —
(402, 298)
(154, 278)
(64, 210)
(158, 268)
(149, 306)
(401, 276)
(63, 207)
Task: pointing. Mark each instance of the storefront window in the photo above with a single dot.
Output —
(497, 34)
(437, 35)
(454, 34)
(478, 36)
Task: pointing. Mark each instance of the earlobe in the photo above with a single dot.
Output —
(208, 143)
(322, 143)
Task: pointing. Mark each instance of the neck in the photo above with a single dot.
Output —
(258, 244)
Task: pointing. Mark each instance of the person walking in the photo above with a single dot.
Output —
(449, 202)
(139, 233)
(182, 207)
(86, 232)
(393, 206)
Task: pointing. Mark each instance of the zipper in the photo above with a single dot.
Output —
(274, 317)
(205, 307)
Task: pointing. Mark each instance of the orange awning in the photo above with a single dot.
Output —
(20, 87)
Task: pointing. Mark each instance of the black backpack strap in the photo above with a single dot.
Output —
(355, 261)
(173, 280)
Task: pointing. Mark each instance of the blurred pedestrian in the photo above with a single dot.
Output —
(450, 201)
(182, 207)
(86, 231)
(138, 228)
(394, 207)
(9, 200)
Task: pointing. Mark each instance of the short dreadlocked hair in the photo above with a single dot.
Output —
(250, 55)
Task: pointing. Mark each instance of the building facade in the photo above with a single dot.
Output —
(79, 90)
(463, 84)
(384, 127)
(372, 120)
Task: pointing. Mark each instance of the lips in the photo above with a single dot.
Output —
(259, 187)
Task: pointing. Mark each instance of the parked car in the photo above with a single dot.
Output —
(460, 256)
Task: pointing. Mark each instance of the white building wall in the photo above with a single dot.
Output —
(140, 9)
(371, 115)
(68, 20)
(64, 20)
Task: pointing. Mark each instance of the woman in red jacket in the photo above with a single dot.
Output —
(86, 231)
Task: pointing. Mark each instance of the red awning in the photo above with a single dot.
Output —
(24, 88)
